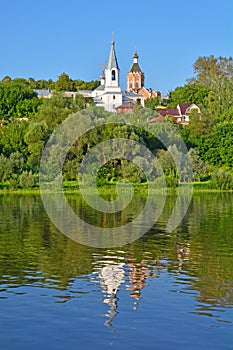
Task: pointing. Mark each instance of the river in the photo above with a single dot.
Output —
(161, 291)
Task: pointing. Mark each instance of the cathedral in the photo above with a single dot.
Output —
(109, 94)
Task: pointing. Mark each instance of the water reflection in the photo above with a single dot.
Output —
(114, 272)
(138, 273)
(111, 275)
(197, 259)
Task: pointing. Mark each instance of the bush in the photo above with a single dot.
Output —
(6, 170)
(27, 179)
(221, 179)
(172, 180)
(14, 182)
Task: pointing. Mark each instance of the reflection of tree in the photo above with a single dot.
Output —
(33, 251)
(31, 246)
(183, 252)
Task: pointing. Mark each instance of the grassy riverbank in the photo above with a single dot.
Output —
(72, 187)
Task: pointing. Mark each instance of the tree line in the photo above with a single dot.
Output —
(63, 83)
(211, 134)
(209, 137)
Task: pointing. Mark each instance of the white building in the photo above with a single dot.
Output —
(109, 94)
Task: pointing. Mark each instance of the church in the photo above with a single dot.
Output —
(109, 94)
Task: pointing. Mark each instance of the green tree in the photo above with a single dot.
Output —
(17, 162)
(217, 146)
(80, 102)
(200, 168)
(190, 93)
(217, 74)
(44, 84)
(12, 100)
(70, 169)
(32, 83)
(12, 138)
(221, 179)
(6, 170)
(6, 79)
(28, 107)
(27, 179)
(86, 85)
(35, 137)
(220, 97)
(208, 70)
(153, 102)
(227, 115)
(65, 83)
(55, 109)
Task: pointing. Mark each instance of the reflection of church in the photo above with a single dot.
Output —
(109, 94)
(112, 272)
(111, 275)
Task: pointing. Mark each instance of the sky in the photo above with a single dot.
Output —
(44, 38)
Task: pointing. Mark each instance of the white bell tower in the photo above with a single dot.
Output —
(109, 94)
(112, 72)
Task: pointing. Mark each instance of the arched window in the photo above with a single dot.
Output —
(113, 74)
(114, 97)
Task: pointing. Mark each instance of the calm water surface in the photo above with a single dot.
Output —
(163, 291)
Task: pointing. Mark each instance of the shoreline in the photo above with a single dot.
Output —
(139, 188)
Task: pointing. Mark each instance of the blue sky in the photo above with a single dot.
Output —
(43, 38)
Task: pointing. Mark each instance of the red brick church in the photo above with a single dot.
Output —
(136, 79)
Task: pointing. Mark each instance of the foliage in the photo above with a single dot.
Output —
(152, 102)
(220, 96)
(216, 74)
(169, 168)
(12, 138)
(64, 83)
(28, 108)
(200, 168)
(55, 109)
(209, 135)
(227, 115)
(17, 100)
(35, 137)
(27, 179)
(86, 85)
(190, 93)
(74, 84)
(221, 179)
(209, 70)
(13, 182)
(198, 128)
(70, 170)
(81, 102)
(217, 148)
(5, 168)
(17, 162)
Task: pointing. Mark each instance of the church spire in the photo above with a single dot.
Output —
(112, 61)
(112, 72)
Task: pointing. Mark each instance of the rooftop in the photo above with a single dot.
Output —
(112, 61)
(135, 68)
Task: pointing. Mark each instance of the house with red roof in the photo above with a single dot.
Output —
(126, 107)
(180, 114)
